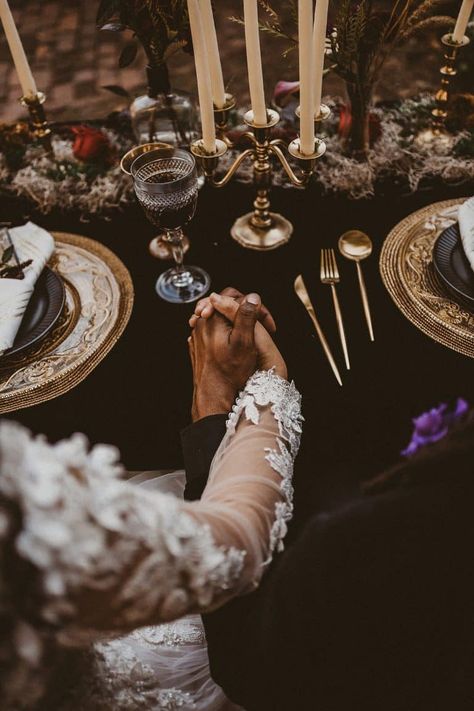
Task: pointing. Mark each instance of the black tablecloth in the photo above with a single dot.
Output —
(139, 397)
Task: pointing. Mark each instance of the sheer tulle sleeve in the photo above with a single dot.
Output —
(248, 499)
(110, 556)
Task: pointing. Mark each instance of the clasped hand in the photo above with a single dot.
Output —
(231, 339)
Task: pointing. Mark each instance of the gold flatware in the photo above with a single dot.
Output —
(356, 245)
(302, 294)
(330, 275)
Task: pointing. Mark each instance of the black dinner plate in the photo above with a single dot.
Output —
(42, 312)
(453, 266)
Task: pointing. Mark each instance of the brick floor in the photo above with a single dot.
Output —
(72, 60)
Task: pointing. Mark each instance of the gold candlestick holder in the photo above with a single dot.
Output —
(448, 71)
(39, 123)
(261, 229)
(221, 117)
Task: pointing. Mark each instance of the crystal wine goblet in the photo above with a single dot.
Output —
(158, 247)
(166, 185)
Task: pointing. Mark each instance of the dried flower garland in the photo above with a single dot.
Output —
(83, 175)
(395, 154)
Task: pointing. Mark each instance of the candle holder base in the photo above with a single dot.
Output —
(262, 239)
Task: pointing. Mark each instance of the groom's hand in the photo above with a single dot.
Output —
(268, 355)
(224, 356)
(205, 308)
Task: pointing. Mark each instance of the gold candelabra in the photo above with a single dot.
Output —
(260, 229)
(39, 123)
(442, 97)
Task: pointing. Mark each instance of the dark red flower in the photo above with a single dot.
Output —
(91, 145)
(345, 124)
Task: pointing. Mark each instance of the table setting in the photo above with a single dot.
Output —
(346, 229)
(245, 192)
(60, 317)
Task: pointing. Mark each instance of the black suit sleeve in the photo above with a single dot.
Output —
(199, 443)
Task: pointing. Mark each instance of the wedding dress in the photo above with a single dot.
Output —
(86, 556)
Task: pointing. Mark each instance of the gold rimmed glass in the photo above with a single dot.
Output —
(166, 185)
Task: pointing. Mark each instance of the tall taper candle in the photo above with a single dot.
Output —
(463, 19)
(305, 41)
(203, 76)
(215, 67)
(28, 84)
(254, 62)
(320, 24)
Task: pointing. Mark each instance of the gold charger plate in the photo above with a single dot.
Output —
(99, 301)
(407, 270)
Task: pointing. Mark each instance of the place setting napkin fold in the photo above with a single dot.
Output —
(30, 242)
(466, 228)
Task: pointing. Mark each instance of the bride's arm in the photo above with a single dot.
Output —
(104, 555)
(110, 556)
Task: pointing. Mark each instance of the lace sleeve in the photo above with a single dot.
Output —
(250, 483)
(111, 556)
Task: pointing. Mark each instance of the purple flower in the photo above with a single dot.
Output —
(433, 425)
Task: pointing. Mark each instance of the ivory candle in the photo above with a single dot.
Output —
(305, 41)
(254, 62)
(203, 76)
(319, 38)
(27, 82)
(463, 19)
(215, 67)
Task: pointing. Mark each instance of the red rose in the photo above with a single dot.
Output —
(345, 124)
(90, 144)
(345, 120)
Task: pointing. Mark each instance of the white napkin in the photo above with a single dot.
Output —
(30, 242)
(466, 228)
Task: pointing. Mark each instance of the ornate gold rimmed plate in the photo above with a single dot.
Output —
(453, 266)
(98, 304)
(42, 313)
(408, 272)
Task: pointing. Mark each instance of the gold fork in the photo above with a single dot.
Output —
(330, 275)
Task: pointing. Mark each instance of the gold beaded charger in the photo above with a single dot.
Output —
(99, 301)
(408, 272)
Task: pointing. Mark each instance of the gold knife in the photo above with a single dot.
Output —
(302, 294)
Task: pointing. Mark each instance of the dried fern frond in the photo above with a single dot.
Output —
(272, 27)
(426, 9)
(351, 28)
(428, 24)
(278, 32)
(265, 5)
(293, 6)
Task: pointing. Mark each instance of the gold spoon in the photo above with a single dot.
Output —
(356, 245)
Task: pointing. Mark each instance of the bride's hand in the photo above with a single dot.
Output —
(226, 349)
(268, 355)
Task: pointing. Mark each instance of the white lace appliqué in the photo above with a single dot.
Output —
(266, 388)
(103, 556)
(85, 529)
